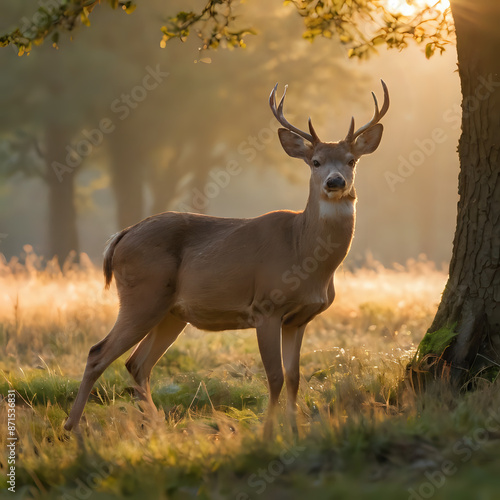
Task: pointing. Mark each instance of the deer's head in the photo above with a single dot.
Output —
(333, 164)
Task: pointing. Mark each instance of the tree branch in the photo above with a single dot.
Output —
(51, 20)
(361, 25)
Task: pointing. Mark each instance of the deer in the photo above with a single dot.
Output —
(274, 272)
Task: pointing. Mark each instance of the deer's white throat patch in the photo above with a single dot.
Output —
(332, 209)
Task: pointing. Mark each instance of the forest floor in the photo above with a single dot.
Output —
(364, 432)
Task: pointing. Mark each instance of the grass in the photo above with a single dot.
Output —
(363, 433)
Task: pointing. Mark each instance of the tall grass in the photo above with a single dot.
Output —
(363, 434)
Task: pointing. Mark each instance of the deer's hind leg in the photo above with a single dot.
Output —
(148, 352)
(142, 307)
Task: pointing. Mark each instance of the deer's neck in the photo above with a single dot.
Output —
(326, 228)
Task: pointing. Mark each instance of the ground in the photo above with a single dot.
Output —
(364, 431)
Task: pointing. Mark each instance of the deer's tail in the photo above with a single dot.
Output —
(107, 265)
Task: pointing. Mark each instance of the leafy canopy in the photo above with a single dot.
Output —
(362, 25)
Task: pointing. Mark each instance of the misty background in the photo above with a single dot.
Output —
(111, 128)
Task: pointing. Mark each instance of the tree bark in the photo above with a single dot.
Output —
(471, 300)
(63, 235)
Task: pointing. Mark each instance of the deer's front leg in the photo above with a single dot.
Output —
(269, 340)
(291, 344)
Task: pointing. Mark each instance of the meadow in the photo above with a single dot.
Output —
(365, 430)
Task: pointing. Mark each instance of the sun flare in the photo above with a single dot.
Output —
(409, 8)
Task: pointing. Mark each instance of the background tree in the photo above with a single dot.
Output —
(150, 160)
(48, 120)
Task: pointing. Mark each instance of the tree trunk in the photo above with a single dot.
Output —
(63, 235)
(163, 182)
(127, 177)
(471, 300)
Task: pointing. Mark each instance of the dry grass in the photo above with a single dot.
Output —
(361, 434)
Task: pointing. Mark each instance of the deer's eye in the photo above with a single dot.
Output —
(316, 163)
(352, 163)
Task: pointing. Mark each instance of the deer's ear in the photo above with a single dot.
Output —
(294, 145)
(368, 141)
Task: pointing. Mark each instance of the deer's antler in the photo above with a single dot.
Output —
(377, 116)
(312, 137)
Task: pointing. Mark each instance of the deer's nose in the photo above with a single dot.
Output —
(335, 183)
